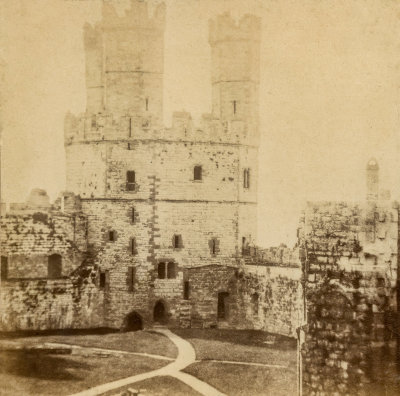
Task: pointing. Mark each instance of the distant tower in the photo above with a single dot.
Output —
(372, 180)
(235, 68)
(125, 62)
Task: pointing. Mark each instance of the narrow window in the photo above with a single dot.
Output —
(197, 172)
(213, 246)
(171, 271)
(161, 270)
(133, 216)
(130, 180)
(111, 236)
(246, 178)
(94, 123)
(244, 245)
(54, 266)
(133, 246)
(254, 303)
(186, 290)
(131, 278)
(102, 280)
(177, 241)
(234, 106)
(129, 146)
(147, 104)
(130, 127)
(4, 268)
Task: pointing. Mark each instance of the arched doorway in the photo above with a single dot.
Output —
(133, 322)
(160, 313)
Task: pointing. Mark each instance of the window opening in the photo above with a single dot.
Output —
(197, 172)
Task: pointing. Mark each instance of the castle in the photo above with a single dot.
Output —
(159, 224)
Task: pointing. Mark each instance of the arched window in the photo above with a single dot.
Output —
(54, 266)
(171, 270)
(161, 270)
(197, 172)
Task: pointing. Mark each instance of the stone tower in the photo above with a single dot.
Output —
(160, 201)
(372, 180)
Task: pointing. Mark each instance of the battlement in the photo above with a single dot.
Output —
(225, 28)
(105, 126)
(137, 16)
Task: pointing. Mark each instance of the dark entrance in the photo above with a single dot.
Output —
(160, 314)
(223, 305)
(133, 322)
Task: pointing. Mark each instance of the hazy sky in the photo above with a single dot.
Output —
(330, 99)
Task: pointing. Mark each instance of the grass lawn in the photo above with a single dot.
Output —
(138, 341)
(237, 380)
(159, 386)
(35, 373)
(240, 345)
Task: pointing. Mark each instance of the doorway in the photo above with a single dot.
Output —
(160, 313)
(223, 305)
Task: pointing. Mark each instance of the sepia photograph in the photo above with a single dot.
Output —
(200, 197)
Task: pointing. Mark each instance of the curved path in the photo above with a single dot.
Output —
(186, 356)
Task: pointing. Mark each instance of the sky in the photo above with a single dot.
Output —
(329, 94)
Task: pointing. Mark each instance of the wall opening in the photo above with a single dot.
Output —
(4, 268)
(133, 322)
(54, 266)
(171, 270)
(161, 270)
(223, 305)
(197, 172)
(130, 180)
(160, 313)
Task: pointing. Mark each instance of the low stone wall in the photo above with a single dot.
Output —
(39, 304)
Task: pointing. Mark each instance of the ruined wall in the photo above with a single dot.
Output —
(260, 297)
(350, 272)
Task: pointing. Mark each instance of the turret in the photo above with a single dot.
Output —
(372, 180)
(235, 68)
(125, 62)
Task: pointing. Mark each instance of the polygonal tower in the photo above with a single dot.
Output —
(160, 201)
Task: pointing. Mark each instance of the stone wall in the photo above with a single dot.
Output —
(349, 253)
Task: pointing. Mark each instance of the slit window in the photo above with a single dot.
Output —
(4, 268)
(54, 266)
(147, 104)
(213, 246)
(133, 215)
(186, 290)
(131, 277)
(102, 280)
(94, 123)
(133, 247)
(234, 106)
(130, 180)
(246, 178)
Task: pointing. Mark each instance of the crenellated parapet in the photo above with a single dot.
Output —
(225, 28)
(136, 16)
(87, 128)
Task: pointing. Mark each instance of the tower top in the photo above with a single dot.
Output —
(225, 28)
(137, 16)
(372, 164)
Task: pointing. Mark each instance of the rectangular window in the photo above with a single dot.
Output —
(177, 241)
(161, 270)
(102, 280)
(111, 236)
(197, 172)
(186, 290)
(246, 178)
(171, 270)
(130, 180)
(131, 278)
(4, 268)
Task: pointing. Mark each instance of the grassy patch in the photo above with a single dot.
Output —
(241, 345)
(237, 380)
(138, 341)
(159, 386)
(34, 373)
